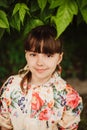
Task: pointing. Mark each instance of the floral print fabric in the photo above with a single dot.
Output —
(54, 105)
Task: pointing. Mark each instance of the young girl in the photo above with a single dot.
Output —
(38, 98)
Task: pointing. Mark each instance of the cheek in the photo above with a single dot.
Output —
(27, 59)
(31, 63)
(53, 64)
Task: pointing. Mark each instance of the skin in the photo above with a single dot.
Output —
(42, 65)
(5, 122)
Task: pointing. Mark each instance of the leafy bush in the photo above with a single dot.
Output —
(25, 14)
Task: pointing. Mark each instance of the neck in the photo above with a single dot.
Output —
(35, 81)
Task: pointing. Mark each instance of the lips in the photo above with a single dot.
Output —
(41, 70)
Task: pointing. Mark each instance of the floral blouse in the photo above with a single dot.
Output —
(54, 105)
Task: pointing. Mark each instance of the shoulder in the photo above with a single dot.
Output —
(64, 85)
(12, 83)
(60, 83)
(12, 80)
(72, 97)
(66, 88)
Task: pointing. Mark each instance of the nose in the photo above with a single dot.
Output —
(40, 60)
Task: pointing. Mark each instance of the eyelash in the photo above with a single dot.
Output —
(32, 54)
(47, 55)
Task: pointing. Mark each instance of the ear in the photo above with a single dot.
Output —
(60, 58)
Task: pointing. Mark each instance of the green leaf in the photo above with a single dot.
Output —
(3, 20)
(55, 3)
(42, 4)
(83, 8)
(15, 22)
(72, 7)
(31, 24)
(64, 16)
(24, 6)
(16, 8)
(84, 14)
(22, 11)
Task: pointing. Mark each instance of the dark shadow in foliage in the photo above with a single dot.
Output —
(12, 56)
(75, 55)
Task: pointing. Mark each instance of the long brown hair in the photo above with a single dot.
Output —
(41, 39)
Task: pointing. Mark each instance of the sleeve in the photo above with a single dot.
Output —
(72, 110)
(5, 98)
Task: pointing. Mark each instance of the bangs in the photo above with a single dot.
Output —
(43, 42)
(46, 45)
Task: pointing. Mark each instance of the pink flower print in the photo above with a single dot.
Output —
(36, 102)
(72, 99)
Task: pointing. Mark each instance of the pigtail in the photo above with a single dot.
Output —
(59, 69)
(26, 76)
(22, 72)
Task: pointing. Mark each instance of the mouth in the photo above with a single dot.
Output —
(41, 70)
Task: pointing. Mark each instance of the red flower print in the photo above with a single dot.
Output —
(45, 114)
(36, 102)
(72, 98)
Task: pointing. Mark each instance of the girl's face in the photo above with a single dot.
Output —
(42, 65)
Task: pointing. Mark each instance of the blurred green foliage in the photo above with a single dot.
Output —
(12, 56)
(26, 14)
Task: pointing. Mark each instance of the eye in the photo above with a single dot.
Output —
(32, 54)
(49, 55)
